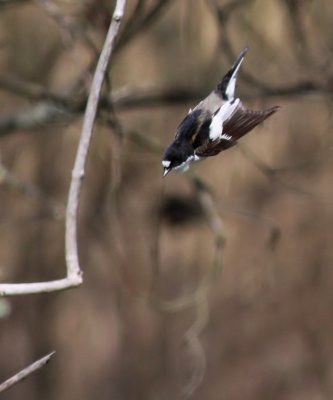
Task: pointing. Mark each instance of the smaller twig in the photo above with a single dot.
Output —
(138, 23)
(215, 223)
(273, 228)
(214, 220)
(24, 373)
(132, 21)
(69, 27)
(192, 337)
(223, 14)
(198, 299)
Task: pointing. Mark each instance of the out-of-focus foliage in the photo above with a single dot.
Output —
(267, 329)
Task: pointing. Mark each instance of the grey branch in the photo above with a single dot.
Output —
(56, 111)
(28, 90)
(25, 372)
(74, 272)
(72, 257)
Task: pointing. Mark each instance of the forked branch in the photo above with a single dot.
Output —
(74, 272)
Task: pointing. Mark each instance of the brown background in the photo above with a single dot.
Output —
(267, 318)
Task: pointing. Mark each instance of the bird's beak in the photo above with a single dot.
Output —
(166, 171)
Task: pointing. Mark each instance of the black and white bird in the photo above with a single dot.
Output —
(214, 125)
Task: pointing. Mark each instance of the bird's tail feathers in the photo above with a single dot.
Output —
(228, 84)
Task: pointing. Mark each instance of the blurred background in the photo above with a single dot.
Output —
(167, 308)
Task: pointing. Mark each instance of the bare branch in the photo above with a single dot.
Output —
(30, 90)
(74, 273)
(20, 289)
(37, 116)
(72, 257)
(25, 372)
(48, 112)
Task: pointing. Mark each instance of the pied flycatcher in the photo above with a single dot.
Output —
(214, 125)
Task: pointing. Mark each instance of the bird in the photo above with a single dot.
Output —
(214, 125)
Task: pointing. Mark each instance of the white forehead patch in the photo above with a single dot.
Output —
(166, 163)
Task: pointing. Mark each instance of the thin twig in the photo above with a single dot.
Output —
(25, 372)
(192, 337)
(139, 23)
(198, 300)
(271, 173)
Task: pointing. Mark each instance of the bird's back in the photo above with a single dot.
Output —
(212, 103)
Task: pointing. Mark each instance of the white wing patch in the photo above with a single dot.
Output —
(226, 137)
(216, 126)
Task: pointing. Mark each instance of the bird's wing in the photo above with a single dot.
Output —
(197, 126)
(240, 122)
(243, 120)
(191, 125)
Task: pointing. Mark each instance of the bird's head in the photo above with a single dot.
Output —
(178, 156)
